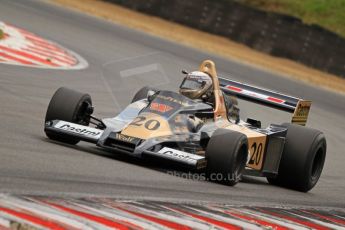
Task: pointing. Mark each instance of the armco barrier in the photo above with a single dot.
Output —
(272, 33)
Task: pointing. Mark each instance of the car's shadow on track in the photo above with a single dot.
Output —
(159, 165)
(253, 180)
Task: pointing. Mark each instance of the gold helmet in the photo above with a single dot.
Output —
(196, 84)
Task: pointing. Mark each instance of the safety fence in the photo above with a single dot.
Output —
(272, 33)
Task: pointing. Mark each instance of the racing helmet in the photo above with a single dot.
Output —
(195, 85)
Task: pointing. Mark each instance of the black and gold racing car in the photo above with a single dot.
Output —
(166, 124)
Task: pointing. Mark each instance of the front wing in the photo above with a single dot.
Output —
(120, 143)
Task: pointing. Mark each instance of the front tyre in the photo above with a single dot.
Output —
(226, 156)
(71, 106)
(302, 160)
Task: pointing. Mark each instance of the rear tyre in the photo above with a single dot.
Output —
(142, 93)
(68, 105)
(226, 155)
(302, 160)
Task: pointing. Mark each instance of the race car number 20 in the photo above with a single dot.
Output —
(151, 124)
(256, 155)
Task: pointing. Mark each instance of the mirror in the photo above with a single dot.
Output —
(150, 95)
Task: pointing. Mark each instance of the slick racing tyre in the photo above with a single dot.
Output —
(302, 160)
(226, 156)
(71, 106)
(142, 93)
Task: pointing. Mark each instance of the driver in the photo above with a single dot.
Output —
(198, 85)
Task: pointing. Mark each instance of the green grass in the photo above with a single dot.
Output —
(329, 14)
(2, 35)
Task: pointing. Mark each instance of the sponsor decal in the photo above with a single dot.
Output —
(162, 108)
(302, 110)
(301, 113)
(177, 154)
(125, 138)
(171, 99)
(254, 94)
(277, 100)
(233, 88)
(79, 129)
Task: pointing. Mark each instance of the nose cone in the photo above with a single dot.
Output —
(148, 126)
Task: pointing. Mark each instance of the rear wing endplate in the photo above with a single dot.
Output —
(298, 107)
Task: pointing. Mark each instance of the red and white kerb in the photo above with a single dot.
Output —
(255, 94)
(20, 47)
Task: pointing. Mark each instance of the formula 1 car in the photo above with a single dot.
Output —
(161, 124)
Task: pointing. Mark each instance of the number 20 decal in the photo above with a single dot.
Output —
(257, 154)
(151, 124)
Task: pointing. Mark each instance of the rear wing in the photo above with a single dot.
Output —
(298, 107)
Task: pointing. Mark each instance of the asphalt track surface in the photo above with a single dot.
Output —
(121, 61)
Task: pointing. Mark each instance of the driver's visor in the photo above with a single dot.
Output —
(189, 83)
